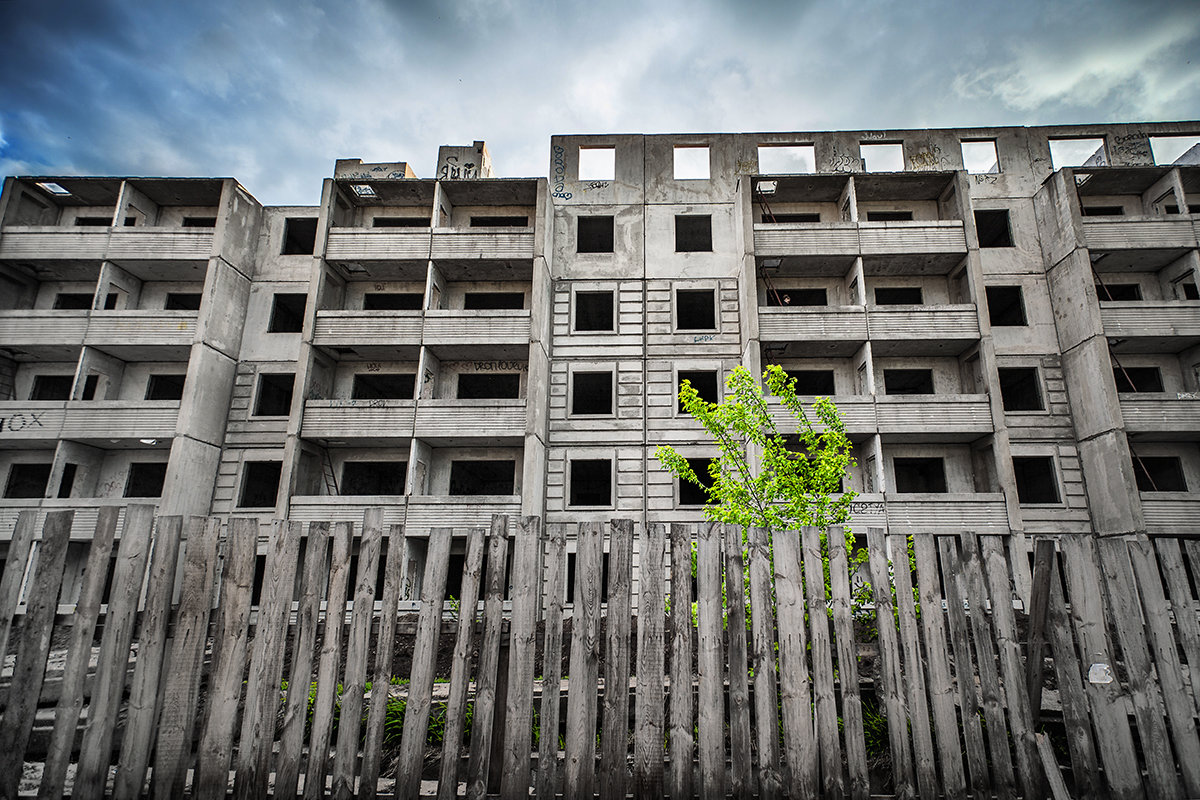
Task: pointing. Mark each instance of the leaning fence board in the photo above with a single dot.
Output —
(518, 715)
(847, 662)
(354, 674)
(648, 702)
(464, 637)
(614, 741)
(1058, 787)
(1035, 657)
(79, 651)
(424, 661)
(825, 703)
(368, 777)
(941, 688)
(741, 776)
(487, 675)
(710, 664)
(16, 560)
(580, 767)
(229, 662)
(33, 645)
(91, 775)
(914, 671)
(798, 737)
(766, 704)
(679, 778)
(890, 675)
(1187, 610)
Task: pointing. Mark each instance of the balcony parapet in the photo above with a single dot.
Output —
(462, 245)
(358, 419)
(843, 323)
(97, 421)
(1134, 319)
(52, 243)
(1133, 233)
(141, 328)
(1171, 512)
(378, 244)
(1162, 412)
(25, 329)
(346, 328)
(453, 327)
(469, 419)
(862, 238)
(934, 417)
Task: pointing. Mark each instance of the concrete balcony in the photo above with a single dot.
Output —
(779, 240)
(343, 508)
(458, 334)
(71, 245)
(922, 330)
(916, 513)
(361, 421)
(97, 422)
(858, 413)
(48, 335)
(142, 335)
(1131, 233)
(839, 330)
(1172, 513)
(1174, 415)
(349, 328)
(463, 422)
(160, 244)
(1151, 326)
(378, 245)
(513, 244)
(458, 512)
(934, 418)
(83, 524)
(925, 237)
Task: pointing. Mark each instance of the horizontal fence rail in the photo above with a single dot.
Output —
(590, 660)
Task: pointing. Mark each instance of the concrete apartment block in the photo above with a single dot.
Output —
(1008, 319)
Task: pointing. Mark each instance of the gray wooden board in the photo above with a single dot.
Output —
(384, 647)
(16, 561)
(1035, 658)
(828, 743)
(798, 735)
(682, 743)
(914, 670)
(741, 775)
(1058, 787)
(847, 662)
(648, 702)
(614, 740)
(518, 715)
(711, 664)
(766, 702)
(1185, 606)
(580, 766)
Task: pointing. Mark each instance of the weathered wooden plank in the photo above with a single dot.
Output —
(1114, 739)
(142, 713)
(181, 689)
(393, 572)
(580, 766)
(424, 664)
(914, 671)
(614, 740)
(890, 674)
(460, 667)
(327, 667)
(710, 663)
(1185, 606)
(648, 703)
(941, 688)
(847, 655)
(741, 776)
(211, 781)
(989, 675)
(91, 775)
(1058, 787)
(16, 560)
(79, 651)
(679, 776)
(484, 715)
(825, 703)
(266, 665)
(308, 610)
(518, 715)
(33, 646)
(1035, 660)
(1179, 703)
(1122, 596)
(354, 674)
(766, 695)
(798, 735)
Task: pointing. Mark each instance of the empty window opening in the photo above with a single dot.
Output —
(1077, 153)
(808, 216)
(93, 222)
(110, 300)
(299, 236)
(182, 301)
(591, 482)
(90, 385)
(392, 301)
(920, 475)
(980, 158)
(693, 233)
(992, 228)
(691, 162)
(889, 216)
(500, 222)
(146, 479)
(493, 301)
(1175, 149)
(786, 159)
(1020, 389)
(489, 385)
(695, 309)
(67, 482)
(898, 296)
(1159, 474)
(597, 163)
(1186, 290)
(1138, 379)
(165, 387)
(705, 383)
(73, 301)
(260, 484)
(131, 222)
(593, 311)
(210, 222)
(798, 297)
(400, 222)
(274, 395)
(595, 235)
(482, 477)
(591, 393)
(287, 313)
(689, 493)
(1006, 308)
(908, 381)
(27, 480)
(1103, 211)
(813, 382)
(383, 386)
(882, 157)
(373, 477)
(1120, 292)
(1035, 479)
(51, 387)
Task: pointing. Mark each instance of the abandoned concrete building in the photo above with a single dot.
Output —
(1007, 318)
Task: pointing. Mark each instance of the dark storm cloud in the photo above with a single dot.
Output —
(273, 92)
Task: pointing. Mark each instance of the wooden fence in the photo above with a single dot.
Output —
(222, 677)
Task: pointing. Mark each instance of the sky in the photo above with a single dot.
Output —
(272, 92)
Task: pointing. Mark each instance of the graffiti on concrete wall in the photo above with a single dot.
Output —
(453, 171)
(20, 421)
(558, 171)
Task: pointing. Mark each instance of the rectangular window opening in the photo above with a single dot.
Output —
(786, 159)
(882, 157)
(980, 158)
(73, 301)
(889, 216)
(287, 313)
(90, 386)
(689, 493)
(146, 479)
(210, 222)
(1170, 150)
(1138, 379)
(182, 301)
(920, 475)
(274, 394)
(1159, 474)
(67, 482)
(383, 386)
(908, 381)
(493, 301)
(814, 382)
(373, 477)
(299, 236)
(500, 222)
(1119, 292)
(593, 311)
(489, 385)
(594, 235)
(1006, 307)
(1077, 152)
(691, 162)
(991, 226)
(1035, 479)
(693, 233)
(591, 482)
(591, 393)
(1103, 211)
(51, 387)
(597, 163)
(495, 477)
(898, 296)
(806, 217)
(1020, 389)
(695, 309)
(798, 297)
(93, 222)
(705, 382)
(400, 222)
(27, 480)
(165, 386)
(110, 300)
(260, 484)
(392, 301)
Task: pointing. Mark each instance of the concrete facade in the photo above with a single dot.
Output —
(1007, 317)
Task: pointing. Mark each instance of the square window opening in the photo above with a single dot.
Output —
(182, 301)
(705, 382)
(591, 393)
(165, 386)
(1036, 483)
(594, 235)
(260, 484)
(489, 386)
(798, 297)
(980, 158)
(274, 394)
(786, 159)
(908, 381)
(1138, 379)
(593, 311)
(898, 296)
(591, 482)
(1006, 307)
(392, 301)
(889, 216)
(146, 479)
(691, 162)
(492, 477)
(1175, 149)
(695, 309)
(73, 301)
(51, 387)
(693, 233)
(689, 493)
(920, 475)
(814, 382)
(373, 477)
(597, 163)
(299, 236)
(1159, 474)
(1077, 152)
(383, 386)
(992, 228)
(494, 301)
(1020, 389)
(882, 157)
(1119, 292)
(27, 480)
(287, 313)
